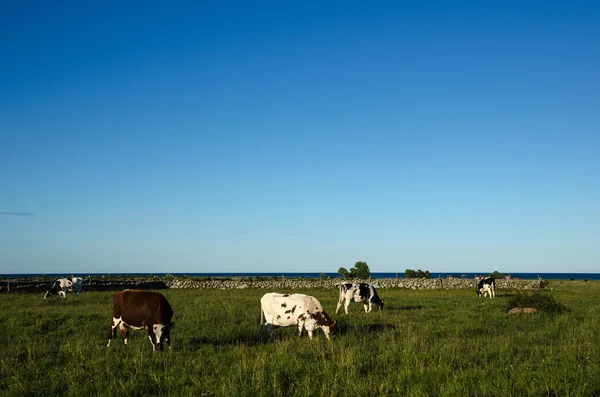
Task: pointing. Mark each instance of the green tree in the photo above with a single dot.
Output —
(497, 275)
(343, 272)
(409, 273)
(360, 270)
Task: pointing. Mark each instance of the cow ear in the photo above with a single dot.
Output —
(171, 325)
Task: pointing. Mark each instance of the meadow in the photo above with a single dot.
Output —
(425, 343)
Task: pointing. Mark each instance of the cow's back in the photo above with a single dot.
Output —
(486, 281)
(139, 307)
(288, 306)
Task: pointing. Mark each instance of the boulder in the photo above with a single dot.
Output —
(516, 310)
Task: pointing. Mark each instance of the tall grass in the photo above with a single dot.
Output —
(426, 343)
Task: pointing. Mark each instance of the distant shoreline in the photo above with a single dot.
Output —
(375, 275)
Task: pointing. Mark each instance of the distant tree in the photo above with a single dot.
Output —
(343, 272)
(409, 273)
(360, 270)
(495, 274)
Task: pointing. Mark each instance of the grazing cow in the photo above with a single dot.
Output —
(138, 309)
(63, 285)
(356, 292)
(486, 285)
(297, 309)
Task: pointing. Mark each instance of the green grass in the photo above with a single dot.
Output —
(426, 343)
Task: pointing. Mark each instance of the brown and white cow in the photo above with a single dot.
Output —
(300, 310)
(63, 285)
(138, 309)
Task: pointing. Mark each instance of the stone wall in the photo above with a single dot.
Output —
(299, 283)
(38, 285)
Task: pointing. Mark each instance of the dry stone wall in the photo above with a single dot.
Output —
(33, 285)
(300, 283)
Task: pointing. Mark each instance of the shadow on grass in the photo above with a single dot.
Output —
(345, 328)
(254, 339)
(246, 340)
(403, 308)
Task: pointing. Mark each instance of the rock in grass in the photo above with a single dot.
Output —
(516, 310)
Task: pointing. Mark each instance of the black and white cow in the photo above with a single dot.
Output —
(63, 285)
(358, 292)
(486, 286)
(303, 311)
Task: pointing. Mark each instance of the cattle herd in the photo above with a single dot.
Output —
(141, 309)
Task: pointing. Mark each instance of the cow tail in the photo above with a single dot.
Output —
(262, 316)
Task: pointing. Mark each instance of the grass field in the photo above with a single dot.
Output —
(426, 343)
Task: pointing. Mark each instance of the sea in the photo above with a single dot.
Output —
(375, 275)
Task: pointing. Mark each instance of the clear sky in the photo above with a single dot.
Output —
(299, 136)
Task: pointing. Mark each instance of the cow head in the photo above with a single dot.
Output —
(485, 289)
(159, 333)
(324, 322)
(55, 289)
(329, 329)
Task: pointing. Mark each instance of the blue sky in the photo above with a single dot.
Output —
(267, 137)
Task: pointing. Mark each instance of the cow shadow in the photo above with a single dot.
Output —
(343, 328)
(403, 308)
(262, 337)
(196, 343)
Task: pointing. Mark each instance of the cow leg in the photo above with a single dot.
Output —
(301, 327)
(62, 293)
(310, 334)
(124, 333)
(346, 305)
(151, 336)
(366, 307)
(339, 305)
(112, 333)
(151, 341)
(269, 328)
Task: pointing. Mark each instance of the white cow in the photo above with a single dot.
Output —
(286, 310)
(63, 285)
